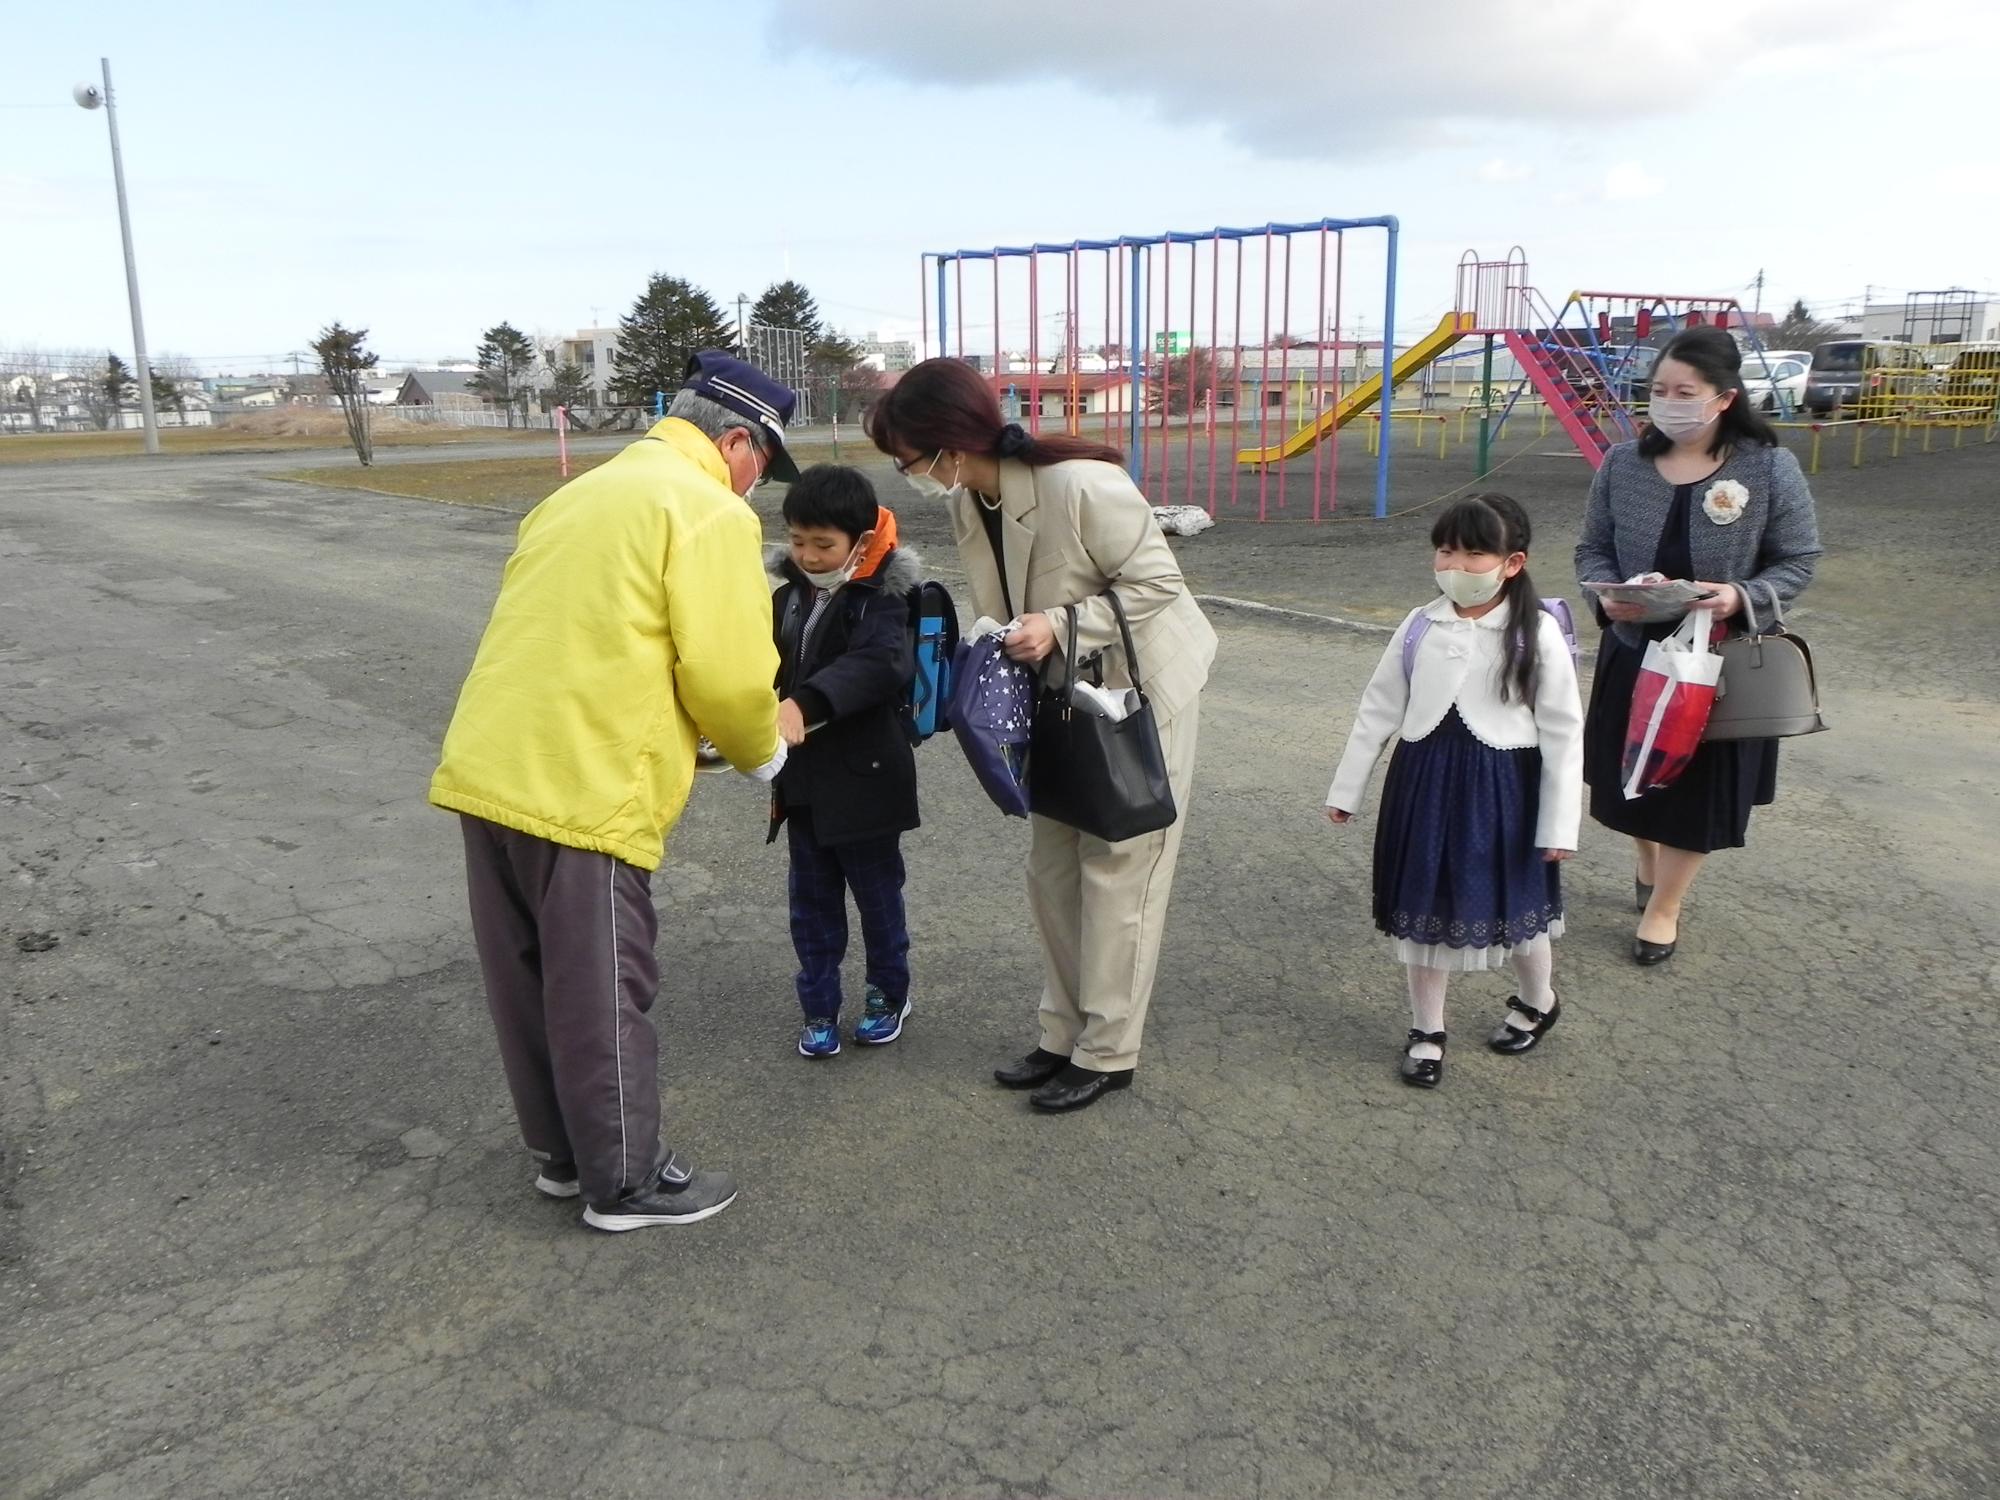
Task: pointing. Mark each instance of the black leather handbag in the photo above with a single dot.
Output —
(1104, 778)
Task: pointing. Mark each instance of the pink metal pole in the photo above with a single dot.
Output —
(996, 321)
(1166, 367)
(1193, 386)
(1118, 306)
(1214, 356)
(1034, 345)
(1109, 256)
(1236, 410)
(1264, 395)
(1319, 365)
(1285, 370)
(1071, 299)
(924, 291)
(562, 439)
(1333, 455)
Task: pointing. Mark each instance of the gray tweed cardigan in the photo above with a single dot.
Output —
(1775, 541)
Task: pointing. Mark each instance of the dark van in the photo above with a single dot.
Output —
(1865, 377)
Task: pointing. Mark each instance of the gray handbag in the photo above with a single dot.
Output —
(1768, 690)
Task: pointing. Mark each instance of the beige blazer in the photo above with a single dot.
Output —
(1070, 531)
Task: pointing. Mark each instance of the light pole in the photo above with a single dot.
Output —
(90, 97)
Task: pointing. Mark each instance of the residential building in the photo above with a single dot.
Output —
(1953, 317)
(891, 356)
(1086, 394)
(448, 390)
(596, 351)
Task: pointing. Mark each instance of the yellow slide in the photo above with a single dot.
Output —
(1451, 328)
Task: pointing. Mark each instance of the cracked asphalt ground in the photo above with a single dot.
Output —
(265, 1228)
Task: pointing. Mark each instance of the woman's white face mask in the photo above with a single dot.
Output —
(927, 483)
(1682, 418)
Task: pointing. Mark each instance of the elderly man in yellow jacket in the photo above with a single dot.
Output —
(633, 621)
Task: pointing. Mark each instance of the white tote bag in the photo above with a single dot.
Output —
(1670, 705)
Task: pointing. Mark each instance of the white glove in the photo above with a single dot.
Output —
(768, 772)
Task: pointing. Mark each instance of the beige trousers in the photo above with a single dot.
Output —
(1101, 911)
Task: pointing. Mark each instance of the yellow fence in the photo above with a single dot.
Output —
(1957, 423)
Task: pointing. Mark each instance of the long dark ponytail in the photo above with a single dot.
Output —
(1497, 524)
(946, 404)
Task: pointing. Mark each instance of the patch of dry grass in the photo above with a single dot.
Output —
(262, 432)
(508, 483)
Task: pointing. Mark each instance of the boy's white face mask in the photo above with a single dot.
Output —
(834, 578)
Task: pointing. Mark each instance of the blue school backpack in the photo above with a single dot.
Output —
(992, 703)
(934, 644)
(1421, 625)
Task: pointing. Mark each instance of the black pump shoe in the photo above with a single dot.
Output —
(1423, 1072)
(1078, 1088)
(1032, 1071)
(1646, 955)
(1512, 1039)
(1642, 895)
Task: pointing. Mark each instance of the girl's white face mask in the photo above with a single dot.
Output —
(1470, 590)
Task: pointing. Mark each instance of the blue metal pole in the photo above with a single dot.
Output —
(941, 312)
(1388, 378)
(659, 403)
(1135, 459)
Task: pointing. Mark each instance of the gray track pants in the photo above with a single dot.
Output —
(566, 944)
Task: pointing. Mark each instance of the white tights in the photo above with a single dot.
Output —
(1534, 966)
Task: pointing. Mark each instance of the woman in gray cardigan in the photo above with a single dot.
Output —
(1706, 495)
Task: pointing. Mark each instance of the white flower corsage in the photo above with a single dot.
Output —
(1725, 502)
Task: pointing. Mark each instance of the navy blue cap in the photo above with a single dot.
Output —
(750, 393)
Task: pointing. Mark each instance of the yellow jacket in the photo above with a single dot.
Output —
(633, 618)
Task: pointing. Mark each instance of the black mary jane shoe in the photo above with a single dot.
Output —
(1642, 896)
(1078, 1088)
(1032, 1071)
(1423, 1072)
(1647, 955)
(1511, 1039)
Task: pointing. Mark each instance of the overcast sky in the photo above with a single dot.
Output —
(425, 171)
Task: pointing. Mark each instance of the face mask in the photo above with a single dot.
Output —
(1470, 590)
(1679, 419)
(838, 576)
(936, 489)
(756, 474)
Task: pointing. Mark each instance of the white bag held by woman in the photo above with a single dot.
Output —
(1670, 706)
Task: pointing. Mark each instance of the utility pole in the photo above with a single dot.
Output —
(88, 97)
(743, 323)
(1760, 290)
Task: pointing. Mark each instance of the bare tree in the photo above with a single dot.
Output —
(345, 361)
(30, 372)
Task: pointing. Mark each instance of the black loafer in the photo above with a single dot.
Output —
(1078, 1088)
(1511, 1039)
(1032, 1071)
(1423, 1072)
(1646, 954)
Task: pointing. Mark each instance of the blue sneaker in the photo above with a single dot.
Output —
(882, 1022)
(819, 1038)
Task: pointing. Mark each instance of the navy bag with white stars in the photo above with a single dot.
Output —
(992, 710)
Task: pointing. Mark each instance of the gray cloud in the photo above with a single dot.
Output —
(1327, 79)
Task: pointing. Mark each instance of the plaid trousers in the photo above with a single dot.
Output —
(818, 886)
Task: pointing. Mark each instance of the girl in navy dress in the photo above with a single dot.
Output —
(1484, 794)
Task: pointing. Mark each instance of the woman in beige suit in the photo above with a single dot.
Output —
(1044, 523)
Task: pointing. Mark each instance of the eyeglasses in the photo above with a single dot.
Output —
(758, 456)
(904, 468)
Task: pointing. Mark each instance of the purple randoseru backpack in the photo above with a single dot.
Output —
(992, 706)
(1420, 627)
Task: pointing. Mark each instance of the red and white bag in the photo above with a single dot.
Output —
(1670, 706)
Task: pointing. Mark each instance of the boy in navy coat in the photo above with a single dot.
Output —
(848, 791)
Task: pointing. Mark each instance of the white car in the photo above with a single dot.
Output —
(1784, 386)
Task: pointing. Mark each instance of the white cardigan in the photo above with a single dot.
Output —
(1459, 662)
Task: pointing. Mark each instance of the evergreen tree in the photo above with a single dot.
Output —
(569, 385)
(671, 321)
(506, 360)
(787, 304)
(115, 386)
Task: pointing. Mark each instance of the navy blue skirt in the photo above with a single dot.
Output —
(1458, 878)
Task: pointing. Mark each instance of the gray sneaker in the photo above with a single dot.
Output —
(677, 1195)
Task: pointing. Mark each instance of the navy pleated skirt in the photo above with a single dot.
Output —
(1458, 878)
